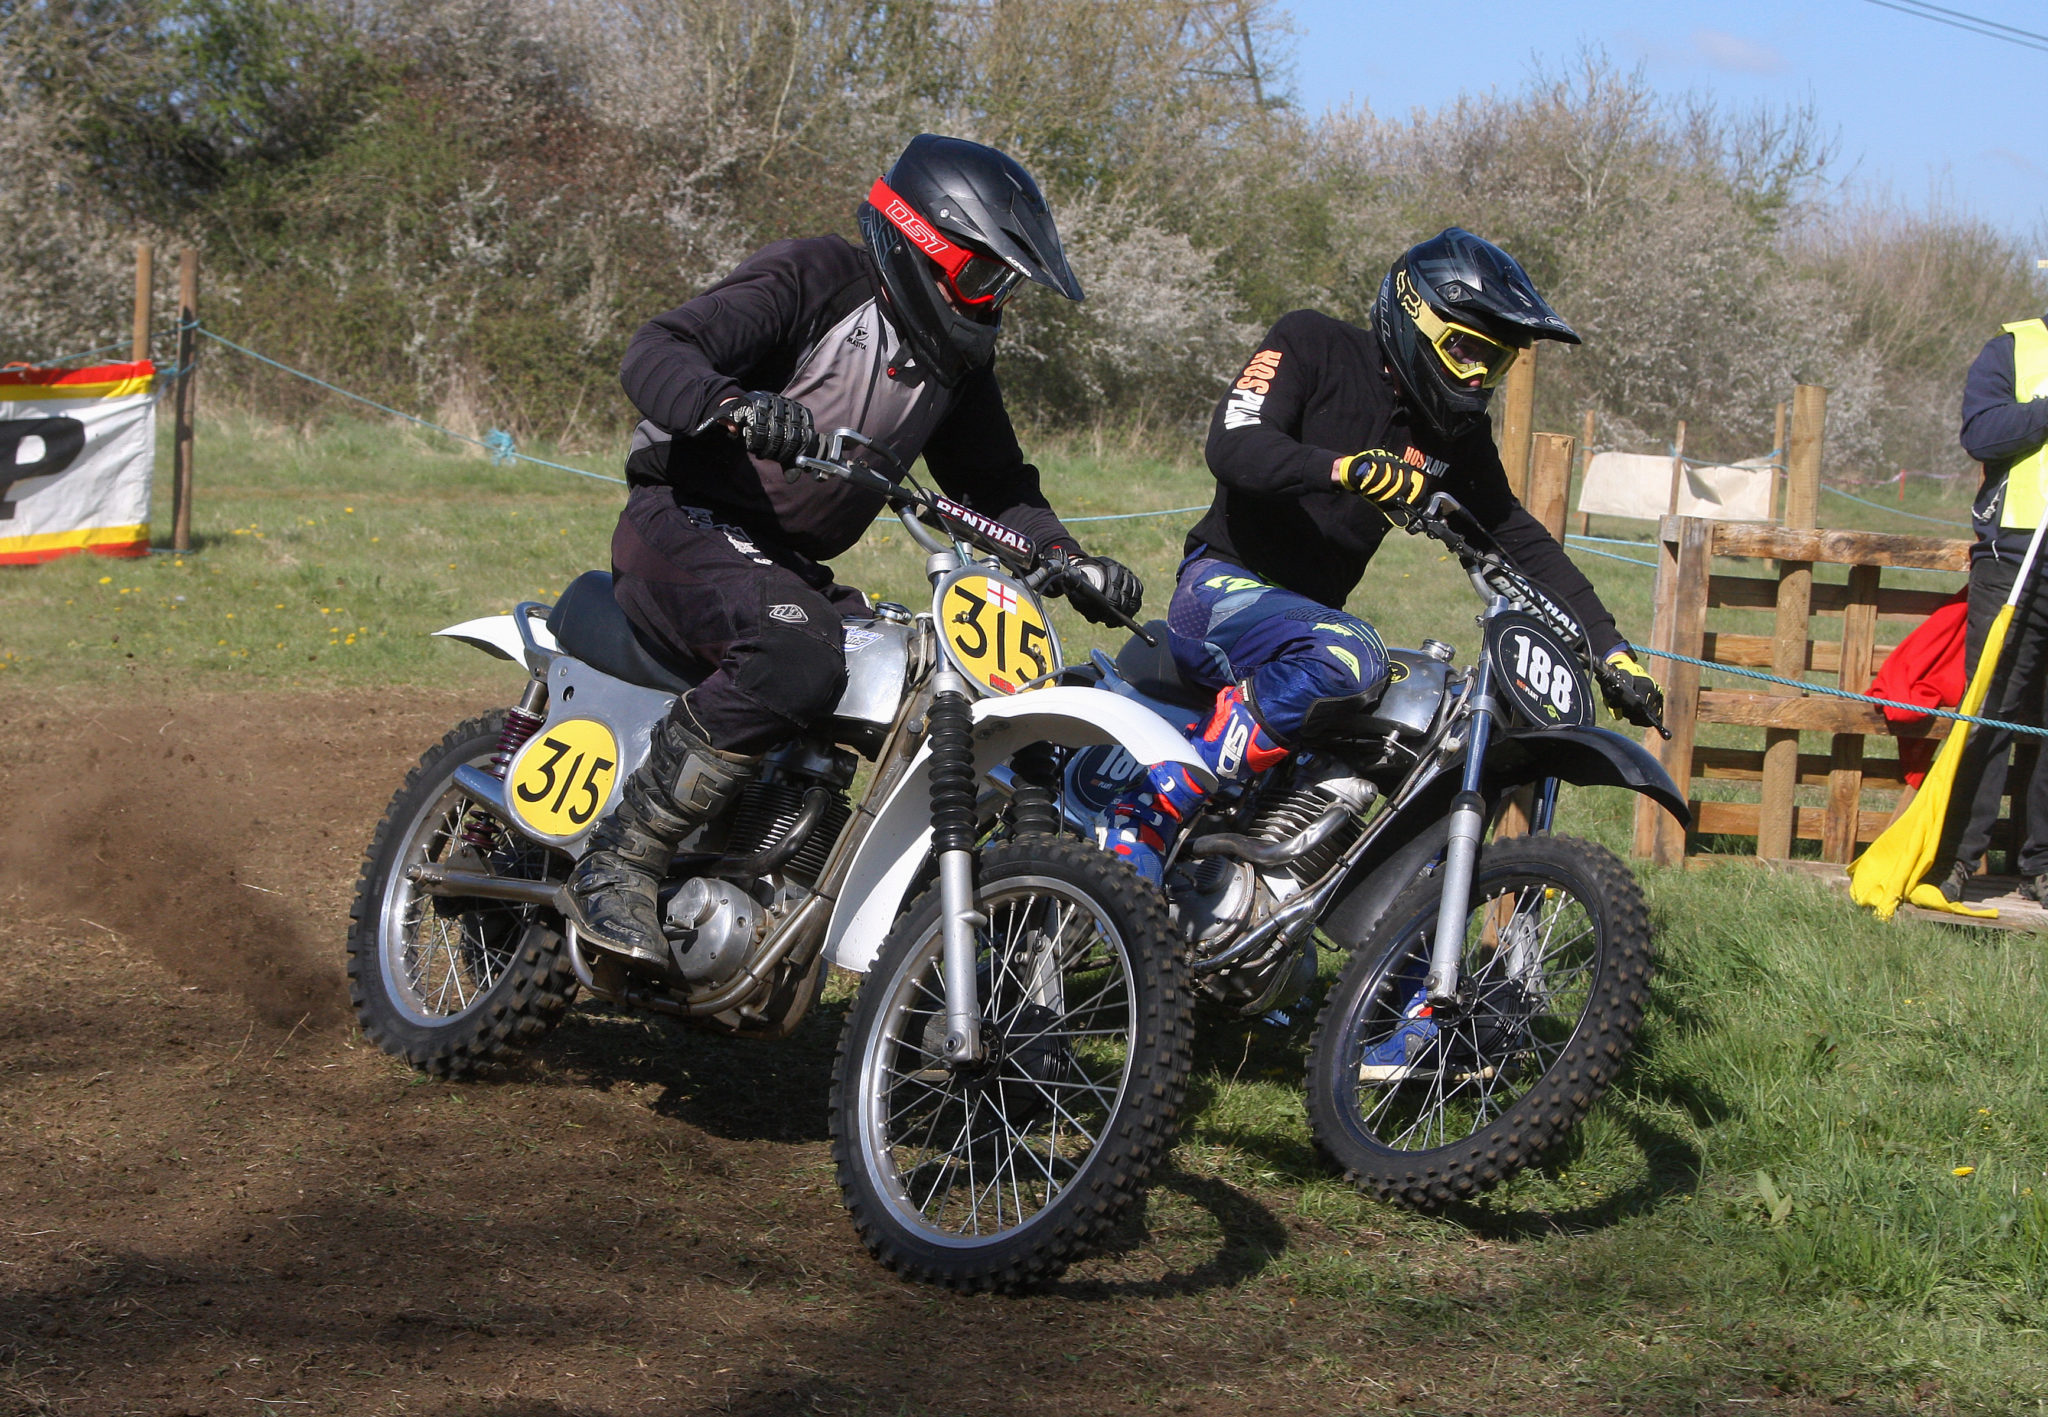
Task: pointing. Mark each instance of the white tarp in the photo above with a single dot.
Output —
(1639, 485)
(77, 449)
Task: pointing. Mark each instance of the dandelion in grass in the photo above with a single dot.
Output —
(106, 580)
(1963, 1171)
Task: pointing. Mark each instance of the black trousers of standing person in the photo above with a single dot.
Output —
(2019, 694)
(763, 620)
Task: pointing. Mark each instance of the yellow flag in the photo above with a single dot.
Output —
(1890, 870)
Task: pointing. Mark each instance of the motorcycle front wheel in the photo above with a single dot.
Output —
(1000, 1173)
(1426, 1106)
(448, 983)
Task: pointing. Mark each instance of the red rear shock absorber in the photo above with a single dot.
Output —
(522, 721)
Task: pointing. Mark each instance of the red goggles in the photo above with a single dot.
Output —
(976, 278)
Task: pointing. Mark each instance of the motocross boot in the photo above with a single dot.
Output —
(684, 783)
(1144, 822)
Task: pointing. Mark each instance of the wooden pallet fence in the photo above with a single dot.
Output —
(1689, 590)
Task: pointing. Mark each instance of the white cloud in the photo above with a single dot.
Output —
(1732, 51)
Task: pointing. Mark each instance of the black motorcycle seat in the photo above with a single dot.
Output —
(1150, 669)
(587, 623)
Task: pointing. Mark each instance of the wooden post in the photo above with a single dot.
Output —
(181, 440)
(1585, 466)
(1778, 812)
(1778, 475)
(145, 274)
(1677, 468)
(1678, 624)
(1845, 774)
(1802, 457)
(1550, 480)
(1518, 417)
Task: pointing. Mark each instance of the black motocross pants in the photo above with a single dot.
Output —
(2018, 695)
(764, 621)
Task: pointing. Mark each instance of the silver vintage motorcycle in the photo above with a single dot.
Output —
(1012, 1067)
(1491, 990)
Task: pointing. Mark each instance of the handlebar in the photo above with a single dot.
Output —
(920, 508)
(1490, 568)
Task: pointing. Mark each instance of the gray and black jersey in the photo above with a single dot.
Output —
(805, 318)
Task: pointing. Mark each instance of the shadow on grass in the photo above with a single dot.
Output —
(1252, 1237)
(1672, 1167)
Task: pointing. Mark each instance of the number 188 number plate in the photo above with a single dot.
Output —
(996, 632)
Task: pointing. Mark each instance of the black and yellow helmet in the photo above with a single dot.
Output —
(1452, 314)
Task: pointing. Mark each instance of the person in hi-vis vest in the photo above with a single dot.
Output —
(2005, 427)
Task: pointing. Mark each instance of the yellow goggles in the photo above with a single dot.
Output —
(1464, 351)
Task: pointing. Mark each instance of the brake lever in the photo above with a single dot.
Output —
(1069, 583)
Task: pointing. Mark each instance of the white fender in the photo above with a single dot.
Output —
(497, 635)
(887, 860)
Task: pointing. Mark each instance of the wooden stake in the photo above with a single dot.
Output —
(181, 440)
(1677, 468)
(145, 260)
(1778, 815)
(1518, 418)
(1585, 467)
(1550, 480)
(1778, 490)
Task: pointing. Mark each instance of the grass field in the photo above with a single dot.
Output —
(1819, 1186)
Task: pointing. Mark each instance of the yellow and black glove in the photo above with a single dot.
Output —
(1630, 691)
(1383, 477)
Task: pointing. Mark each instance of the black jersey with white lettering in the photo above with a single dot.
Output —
(1316, 390)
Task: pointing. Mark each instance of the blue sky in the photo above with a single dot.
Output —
(1917, 107)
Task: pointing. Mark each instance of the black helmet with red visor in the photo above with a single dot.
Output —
(954, 228)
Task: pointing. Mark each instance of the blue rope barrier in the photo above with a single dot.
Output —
(1612, 540)
(1828, 691)
(1616, 556)
(1127, 516)
(1896, 511)
(82, 354)
(498, 444)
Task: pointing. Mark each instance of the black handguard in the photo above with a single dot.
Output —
(772, 426)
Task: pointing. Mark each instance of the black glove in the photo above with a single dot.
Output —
(1381, 476)
(1111, 581)
(1630, 691)
(771, 426)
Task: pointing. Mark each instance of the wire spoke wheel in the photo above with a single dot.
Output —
(448, 982)
(996, 1173)
(1428, 1104)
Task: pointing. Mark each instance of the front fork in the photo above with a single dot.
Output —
(951, 735)
(1468, 826)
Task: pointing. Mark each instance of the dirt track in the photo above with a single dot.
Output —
(217, 1199)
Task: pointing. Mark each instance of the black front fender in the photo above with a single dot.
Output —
(1585, 757)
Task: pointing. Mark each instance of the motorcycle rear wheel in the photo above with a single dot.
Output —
(1554, 976)
(450, 983)
(1000, 1174)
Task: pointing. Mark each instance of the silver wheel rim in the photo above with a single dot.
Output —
(965, 1157)
(440, 966)
(1531, 948)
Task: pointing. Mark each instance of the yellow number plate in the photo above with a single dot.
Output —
(996, 634)
(560, 780)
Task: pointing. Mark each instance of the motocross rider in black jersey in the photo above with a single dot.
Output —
(718, 557)
(1329, 431)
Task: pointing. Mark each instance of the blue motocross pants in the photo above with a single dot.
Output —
(1226, 626)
